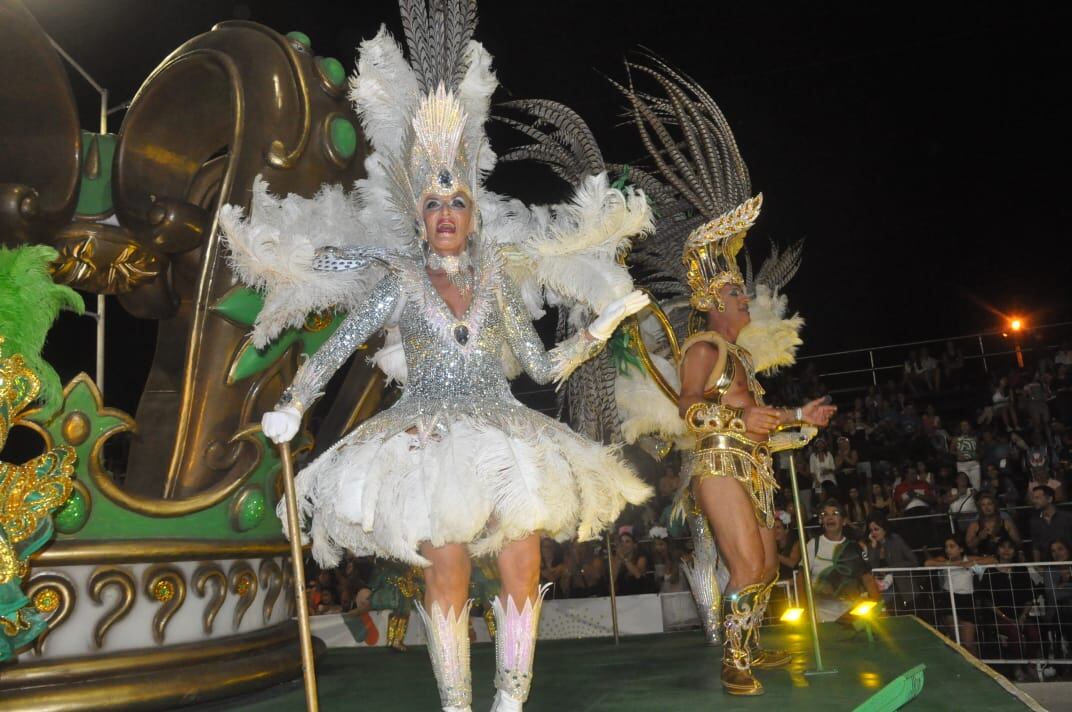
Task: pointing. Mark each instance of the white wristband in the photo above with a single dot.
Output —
(800, 414)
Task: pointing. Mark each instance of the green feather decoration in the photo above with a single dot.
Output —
(29, 303)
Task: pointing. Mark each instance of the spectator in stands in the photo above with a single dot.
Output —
(932, 375)
(586, 575)
(1036, 400)
(959, 580)
(845, 461)
(855, 508)
(629, 567)
(914, 496)
(953, 364)
(1040, 477)
(887, 549)
(666, 557)
(880, 501)
(788, 543)
(965, 447)
(991, 527)
(1000, 485)
(1002, 406)
(960, 502)
(840, 570)
(1011, 596)
(1059, 591)
(1049, 523)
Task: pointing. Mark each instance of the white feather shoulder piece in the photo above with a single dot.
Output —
(272, 251)
(772, 338)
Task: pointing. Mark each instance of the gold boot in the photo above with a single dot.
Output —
(764, 658)
(738, 623)
(397, 625)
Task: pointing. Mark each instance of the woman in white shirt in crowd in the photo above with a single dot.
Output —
(958, 583)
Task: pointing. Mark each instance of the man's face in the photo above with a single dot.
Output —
(1039, 500)
(735, 300)
(965, 427)
(833, 522)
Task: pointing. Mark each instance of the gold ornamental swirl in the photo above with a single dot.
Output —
(166, 585)
(244, 585)
(53, 595)
(203, 576)
(272, 580)
(101, 579)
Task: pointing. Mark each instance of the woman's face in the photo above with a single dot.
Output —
(1058, 551)
(660, 547)
(877, 532)
(854, 494)
(876, 491)
(447, 221)
(962, 482)
(780, 532)
(987, 506)
(953, 552)
(626, 543)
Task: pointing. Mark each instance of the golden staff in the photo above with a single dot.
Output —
(294, 527)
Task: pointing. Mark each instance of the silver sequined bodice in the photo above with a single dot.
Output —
(454, 364)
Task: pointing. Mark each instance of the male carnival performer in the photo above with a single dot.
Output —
(457, 468)
(705, 208)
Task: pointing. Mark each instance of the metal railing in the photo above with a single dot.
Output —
(1004, 614)
(861, 368)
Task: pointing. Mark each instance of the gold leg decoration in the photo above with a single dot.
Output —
(702, 578)
(397, 625)
(763, 658)
(738, 615)
(489, 618)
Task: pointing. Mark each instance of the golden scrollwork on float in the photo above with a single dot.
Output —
(53, 595)
(121, 579)
(244, 585)
(166, 585)
(288, 589)
(75, 428)
(272, 580)
(210, 574)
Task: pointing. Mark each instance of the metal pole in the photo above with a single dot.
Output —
(298, 565)
(613, 594)
(874, 375)
(982, 353)
(101, 299)
(953, 603)
(813, 619)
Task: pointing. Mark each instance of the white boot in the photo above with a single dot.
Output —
(448, 647)
(515, 645)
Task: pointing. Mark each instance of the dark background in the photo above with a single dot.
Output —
(920, 147)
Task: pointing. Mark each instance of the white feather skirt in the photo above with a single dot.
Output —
(383, 490)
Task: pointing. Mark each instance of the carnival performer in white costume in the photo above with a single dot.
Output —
(457, 468)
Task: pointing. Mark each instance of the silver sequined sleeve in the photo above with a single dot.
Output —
(355, 330)
(542, 366)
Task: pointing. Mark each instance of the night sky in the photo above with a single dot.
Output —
(921, 148)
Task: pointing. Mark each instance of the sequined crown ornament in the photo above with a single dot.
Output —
(710, 254)
(435, 157)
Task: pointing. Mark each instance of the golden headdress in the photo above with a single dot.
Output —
(710, 254)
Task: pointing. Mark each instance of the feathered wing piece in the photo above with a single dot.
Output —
(573, 254)
(698, 177)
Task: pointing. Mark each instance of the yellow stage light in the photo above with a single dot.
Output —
(1016, 324)
(792, 615)
(863, 608)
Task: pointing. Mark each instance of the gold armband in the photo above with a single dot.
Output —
(706, 418)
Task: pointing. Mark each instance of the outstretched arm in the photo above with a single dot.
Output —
(557, 365)
(282, 423)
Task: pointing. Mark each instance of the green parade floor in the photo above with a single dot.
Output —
(662, 673)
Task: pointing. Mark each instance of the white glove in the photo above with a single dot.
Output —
(280, 426)
(604, 325)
